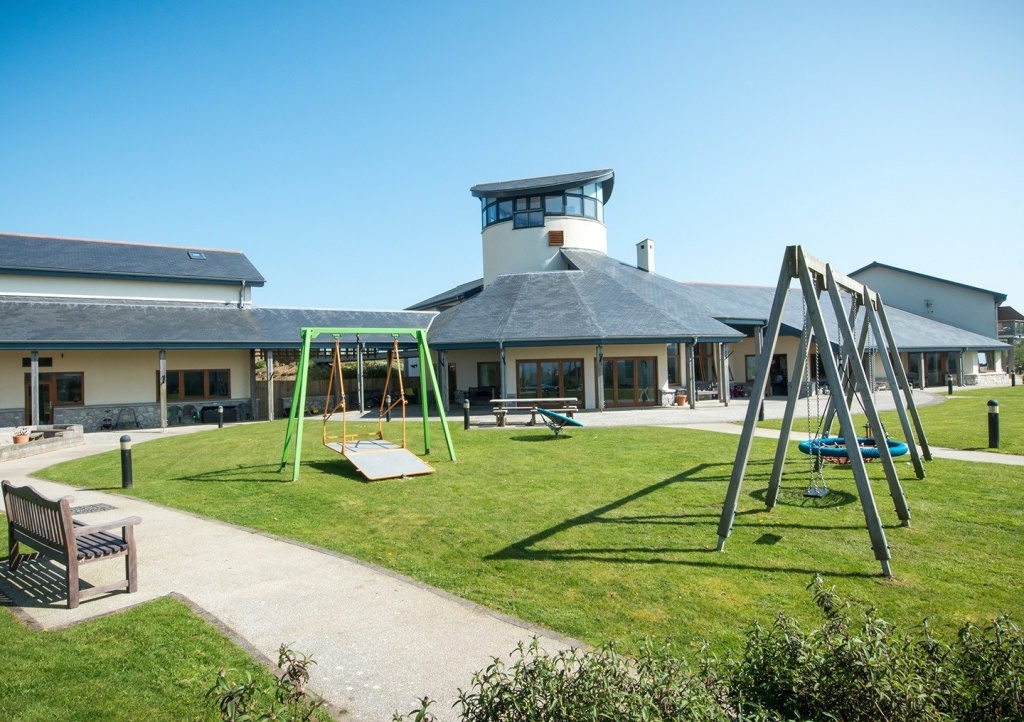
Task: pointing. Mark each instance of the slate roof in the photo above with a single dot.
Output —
(602, 300)
(546, 184)
(451, 296)
(43, 255)
(59, 323)
(999, 297)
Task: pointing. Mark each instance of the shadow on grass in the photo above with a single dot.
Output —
(253, 473)
(527, 549)
(794, 496)
(541, 437)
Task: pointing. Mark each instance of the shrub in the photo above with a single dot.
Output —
(847, 670)
(288, 701)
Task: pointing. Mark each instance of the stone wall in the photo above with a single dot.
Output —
(987, 380)
(146, 416)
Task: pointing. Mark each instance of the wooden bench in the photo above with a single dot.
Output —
(501, 407)
(47, 526)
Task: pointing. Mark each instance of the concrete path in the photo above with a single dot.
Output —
(381, 641)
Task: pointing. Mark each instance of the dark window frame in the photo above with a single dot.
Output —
(182, 396)
(561, 377)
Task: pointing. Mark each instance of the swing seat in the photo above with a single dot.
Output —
(834, 448)
(380, 459)
(816, 492)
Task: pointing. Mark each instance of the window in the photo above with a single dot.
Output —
(529, 211)
(675, 366)
(487, 374)
(750, 364)
(44, 362)
(982, 362)
(553, 378)
(197, 255)
(67, 389)
(196, 384)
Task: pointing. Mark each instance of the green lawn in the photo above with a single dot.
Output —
(153, 662)
(960, 422)
(609, 533)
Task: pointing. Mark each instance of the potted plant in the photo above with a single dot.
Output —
(21, 435)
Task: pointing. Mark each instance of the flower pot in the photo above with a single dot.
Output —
(680, 399)
(21, 438)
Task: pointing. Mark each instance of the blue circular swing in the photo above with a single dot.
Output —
(833, 448)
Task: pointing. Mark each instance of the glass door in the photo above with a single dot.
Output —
(45, 399)
(630, 382)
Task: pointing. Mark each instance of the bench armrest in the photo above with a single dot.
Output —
(93, 528)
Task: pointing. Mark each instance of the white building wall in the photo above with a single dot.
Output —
(18, 285)
(526, 250)
(120, 377)
(965, 308)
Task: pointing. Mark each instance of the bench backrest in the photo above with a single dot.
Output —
(43, 523)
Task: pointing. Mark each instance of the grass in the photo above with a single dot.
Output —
(609, 533)
(960, 422)
(153, 662)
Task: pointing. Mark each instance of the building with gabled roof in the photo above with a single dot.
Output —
(89, 329)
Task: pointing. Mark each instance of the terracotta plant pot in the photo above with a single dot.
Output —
(21, 439)
(680, 399)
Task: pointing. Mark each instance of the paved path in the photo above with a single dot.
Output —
(381, 641)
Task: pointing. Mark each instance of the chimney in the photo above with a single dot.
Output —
(645, 255)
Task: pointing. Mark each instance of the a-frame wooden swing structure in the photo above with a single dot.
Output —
(847, 378)
(378, 459)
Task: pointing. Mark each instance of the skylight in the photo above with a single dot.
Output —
(197, 255)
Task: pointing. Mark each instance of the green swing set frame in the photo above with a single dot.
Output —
(293, 433)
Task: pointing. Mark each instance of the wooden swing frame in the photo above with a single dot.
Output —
(817, 277)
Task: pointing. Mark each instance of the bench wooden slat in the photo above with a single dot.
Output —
(48, 527)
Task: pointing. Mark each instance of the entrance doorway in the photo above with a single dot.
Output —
(778, 376)
(630, 381)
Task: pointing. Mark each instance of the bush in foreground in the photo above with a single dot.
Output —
(847, 670)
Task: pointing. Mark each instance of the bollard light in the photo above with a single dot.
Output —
(465, 414)
(993, 424)
(387, 405)
(220, 417)
(126, 462)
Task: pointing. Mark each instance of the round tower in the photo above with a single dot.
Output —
(526, 222)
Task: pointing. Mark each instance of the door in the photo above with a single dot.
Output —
(630, 382)
(45, 399)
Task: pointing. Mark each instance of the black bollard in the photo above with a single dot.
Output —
(387, 405)
(220, 417)
(126, 462)
(993, 424)
(465, 415)
(949, 384)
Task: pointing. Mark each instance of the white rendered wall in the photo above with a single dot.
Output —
(120, 377)
(958, 306)
(18, 285)
(526, 250)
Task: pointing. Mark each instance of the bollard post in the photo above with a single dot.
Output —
(993, 424)
(465, 415)
(220, 417)
(949, 384)
(126, 462)
(387, 405)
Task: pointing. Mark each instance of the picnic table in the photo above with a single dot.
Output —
(501, 407)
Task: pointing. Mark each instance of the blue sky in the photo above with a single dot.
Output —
(335, 142)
